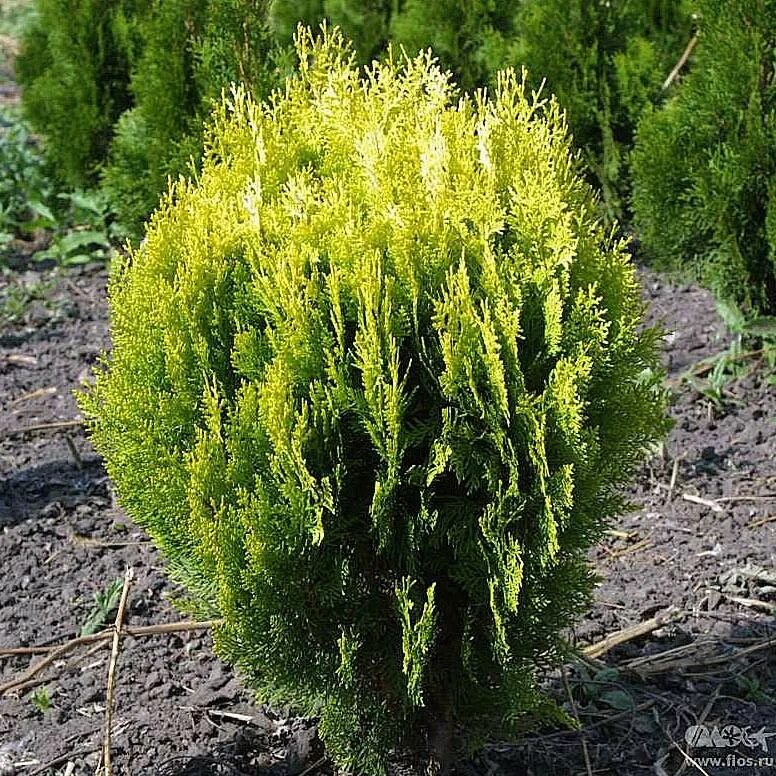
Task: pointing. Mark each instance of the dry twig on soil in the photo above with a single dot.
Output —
(631, 632)
(19, 358)
(216, 766)
(751, 603)
(58, 425)
(63, 758)
(79, 463)
(114, 657)
(704, 502)
(57, 651)
(640, 545)
(672, 483)
(699, 654)
(585, 752)
(762, 521)
(88, 541)
(38, 393)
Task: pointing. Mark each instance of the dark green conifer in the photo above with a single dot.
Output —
(606, 63)
(192, 50)
(705, 163)
(365, 22)
(75, 65)
(471, 37)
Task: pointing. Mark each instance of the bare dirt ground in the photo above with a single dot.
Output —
(698, 553)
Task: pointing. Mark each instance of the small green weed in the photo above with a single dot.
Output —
(715, 386)
(751, 688)
(83, 232)
(41, 699)
(79, 222)
(25, 185)
(600, 691)
(15, 299)
(713, 377)
(604, 687)
(105, 603)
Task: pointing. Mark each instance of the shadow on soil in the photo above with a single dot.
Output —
(48, 488)
(249, 753)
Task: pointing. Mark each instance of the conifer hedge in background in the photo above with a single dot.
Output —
(705, 163)
(366, 23)
(606, 62)
(122, 87)
(75, 65)
(377, 378)
(472, 38)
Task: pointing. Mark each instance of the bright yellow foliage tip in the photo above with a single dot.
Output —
(377, 377)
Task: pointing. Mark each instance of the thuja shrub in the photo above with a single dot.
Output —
(473, 38)
(75, 65)
(192, 50)
(606, 63)
(377, 377)
(705, 163)
(120, 89)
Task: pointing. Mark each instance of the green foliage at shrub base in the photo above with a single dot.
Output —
(705, 163)
(377, 377)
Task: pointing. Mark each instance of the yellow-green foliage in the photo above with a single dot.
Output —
(604, 60)
(377, 377)
(705, 163)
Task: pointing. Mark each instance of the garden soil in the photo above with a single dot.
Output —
(693, 564)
